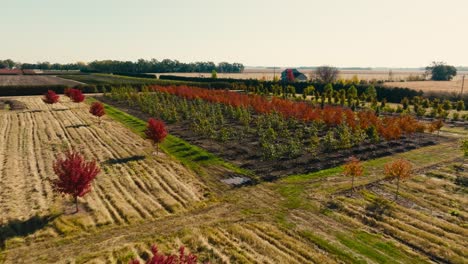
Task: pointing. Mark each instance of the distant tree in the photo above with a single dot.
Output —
(436, 125)
(405, 102)
(74, 175)
(400, 170)
(156, 131)
(353, 168)
(309, 90)
(50, 97)
(214, 74)
(76, 96)
(97, 109)
(159, 258)
(440, 71)
(460, 105)
(446, 105)
(352, 92)
(327, 74)
(371, 92)
(328, 90)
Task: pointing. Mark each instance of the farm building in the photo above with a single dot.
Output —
(293, 75)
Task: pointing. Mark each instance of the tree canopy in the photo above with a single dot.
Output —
(440, 71)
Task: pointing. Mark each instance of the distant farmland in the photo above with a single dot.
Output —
(30, 80)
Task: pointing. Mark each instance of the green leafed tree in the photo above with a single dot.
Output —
(440, 71)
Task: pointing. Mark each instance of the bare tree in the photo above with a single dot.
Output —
(327, 74)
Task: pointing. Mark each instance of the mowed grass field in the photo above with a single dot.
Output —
(30, 80)
(141, 199)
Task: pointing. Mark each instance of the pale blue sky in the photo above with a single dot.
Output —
(392, 33)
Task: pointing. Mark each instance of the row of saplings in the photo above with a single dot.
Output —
(75, 174)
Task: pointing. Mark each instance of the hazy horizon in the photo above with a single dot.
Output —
(360, 33)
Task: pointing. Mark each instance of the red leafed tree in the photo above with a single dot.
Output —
(399, 169)
(159, 258)
(97, 109)
(353, 168)
(156, 131)
(74, 175)
(67, 92)
(77, 96)
(50, 97)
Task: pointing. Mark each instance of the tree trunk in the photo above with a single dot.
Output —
(76, 204)
(397, 188)
(352, 184)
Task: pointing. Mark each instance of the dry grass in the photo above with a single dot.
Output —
(453, 86)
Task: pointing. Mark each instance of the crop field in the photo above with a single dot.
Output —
(178, 197)
(216, 124)
(29, 80)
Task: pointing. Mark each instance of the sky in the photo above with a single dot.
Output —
(342, 33)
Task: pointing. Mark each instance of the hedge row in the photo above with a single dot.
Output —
(394, 95)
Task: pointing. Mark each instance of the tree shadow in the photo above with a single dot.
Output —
(23, 228)
(125, 160)
(60, 109)
(77, 126)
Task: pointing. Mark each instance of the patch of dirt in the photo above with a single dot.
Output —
(12, 104)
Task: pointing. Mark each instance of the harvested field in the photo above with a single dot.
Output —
(428, 87)
(134, 183)
(36, 80)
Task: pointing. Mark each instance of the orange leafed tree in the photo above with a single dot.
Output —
(400, 170)
(353, 168)
(437, 125)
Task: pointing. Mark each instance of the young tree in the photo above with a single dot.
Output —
(214, 74)
(74, 175)
(50, 97)
(371, 92)
(156, 131)
(77, 96)
(353, 168)
(464, 147)
(437, 125)
(97, 109)
(460, 106)
(159, 258)
(399, 169)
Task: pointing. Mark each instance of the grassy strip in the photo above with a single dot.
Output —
(314, 175)
(373, 247)
(325, 245)
(191, 156)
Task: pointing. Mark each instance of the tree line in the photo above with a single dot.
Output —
(140, 66)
